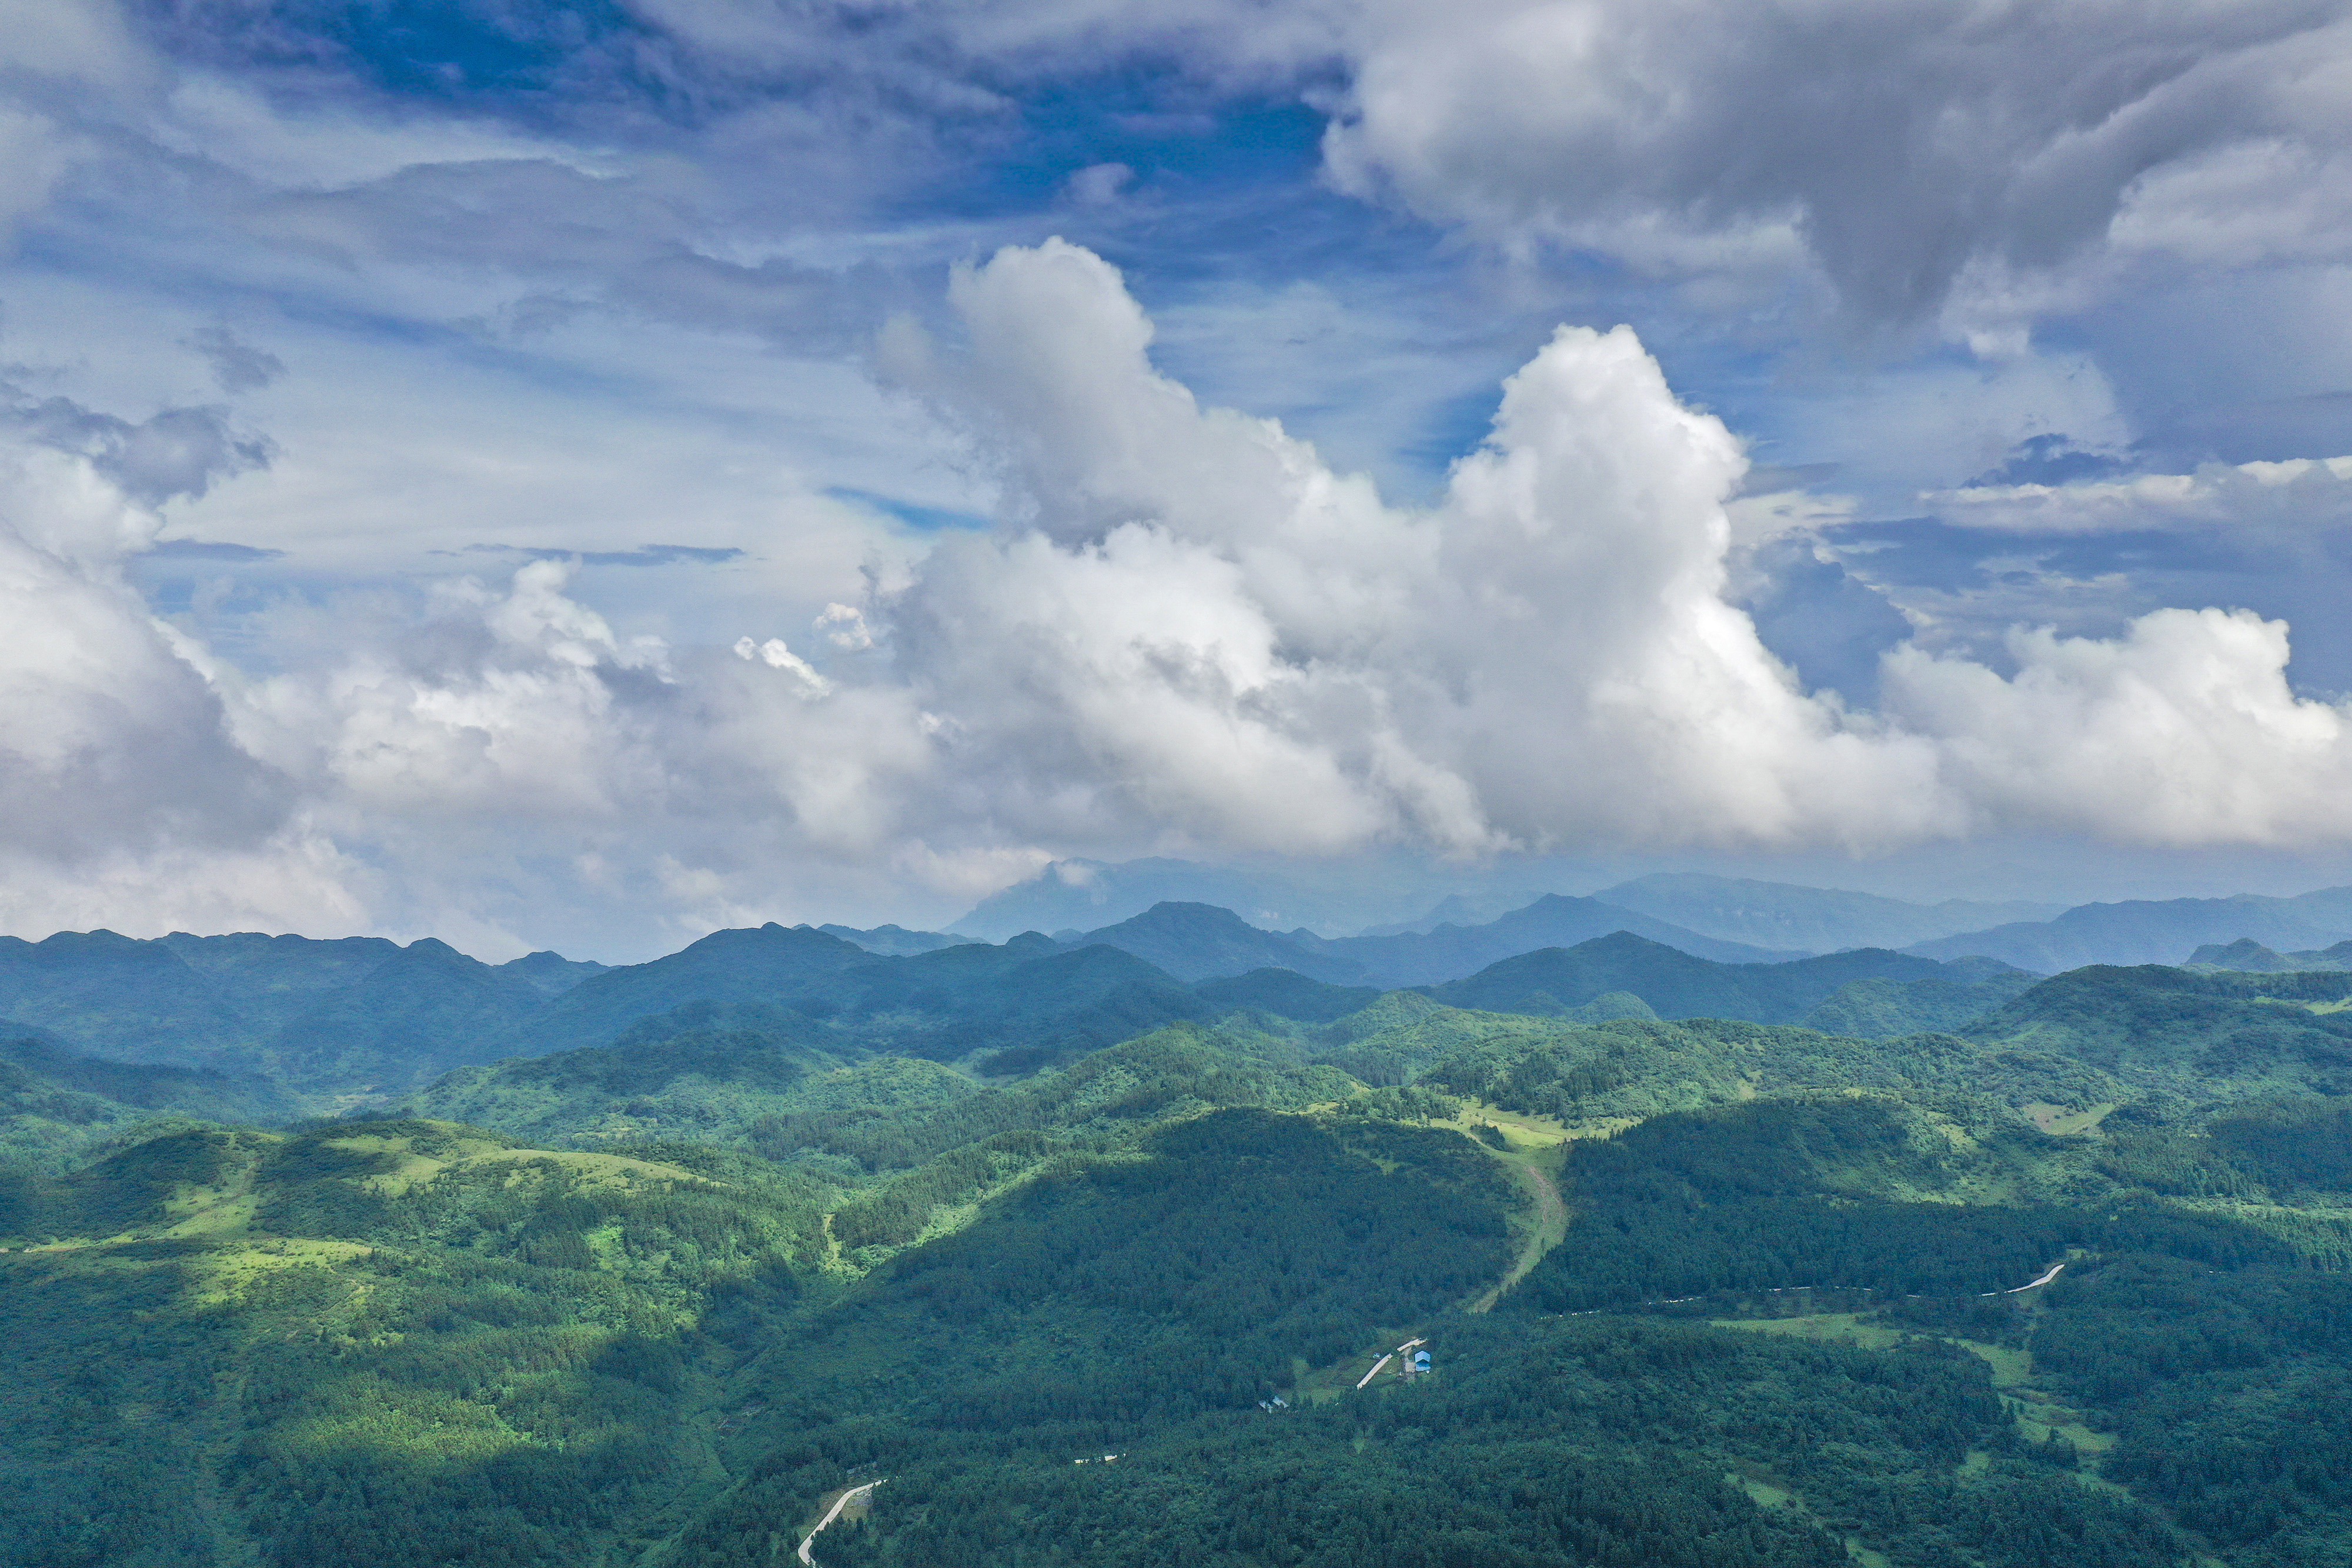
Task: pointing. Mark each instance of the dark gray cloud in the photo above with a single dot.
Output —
(180, 452)
(238, 366)
(1901, 143)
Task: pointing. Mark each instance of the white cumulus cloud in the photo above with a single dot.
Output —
(1211, 630)
(1190, 634)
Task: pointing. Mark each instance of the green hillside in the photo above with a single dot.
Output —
(1705, 1290)
(1885, 992)
(57, 1107)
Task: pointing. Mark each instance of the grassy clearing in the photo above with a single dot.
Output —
(2059, 1121)
(415, 1169)
(1842, 1328)
(1534, 1148)
(223, 1275)
(1322, 1385)
(2037, 1416)
(1766, 1489)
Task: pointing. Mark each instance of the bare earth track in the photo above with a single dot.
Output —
(853, 1495)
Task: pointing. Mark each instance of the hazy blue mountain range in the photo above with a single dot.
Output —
(1336, 900)
(2250, 955)
(1806, 919)
(1449, 952)
(1199, 941)
(362, 1013)
(2155, 931)
(1743, 918)
(1459, 909)
(1782, 918)
(896, 941)
(1677, 985)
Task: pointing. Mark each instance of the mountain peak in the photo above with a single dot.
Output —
(1205, 941)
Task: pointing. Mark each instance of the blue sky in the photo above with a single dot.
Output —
(582, 474)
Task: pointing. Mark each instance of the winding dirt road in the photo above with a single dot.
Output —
(2029, 1284)
(1385, 1360)
(1551, 1225)
(831, 1515)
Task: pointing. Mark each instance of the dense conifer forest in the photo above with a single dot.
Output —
(1080, 1264)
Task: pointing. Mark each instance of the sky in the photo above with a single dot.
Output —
(585, 475)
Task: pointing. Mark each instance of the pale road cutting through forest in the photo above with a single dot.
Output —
(831, 1515)
(1385, 1359)
(1550, 1227)
(2029, 1284)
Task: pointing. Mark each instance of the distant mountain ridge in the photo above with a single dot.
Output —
(326, 1023)
(1200, 941)
(896, 941)
(1071, 897)
(746, 964)
(2251, 955)
(1205, 942)
(355, 1010)
(1557, 982)
(1807, 919)
(1086, 895)
(2154, 931)
(1554, 920)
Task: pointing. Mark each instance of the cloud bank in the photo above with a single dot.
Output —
(1899, 146)
(1189, 634)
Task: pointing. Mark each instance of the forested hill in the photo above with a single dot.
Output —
(330, 1021)
(1720, 1265)
(1865, 991)
(1199, 941)
(316, 1016)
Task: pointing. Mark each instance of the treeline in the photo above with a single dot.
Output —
(494, 1363)
(1197, 1273)
(1775, 1195)
(1611, 1441)
(1634, 1069)
(938, 1154)
(2230, 1391)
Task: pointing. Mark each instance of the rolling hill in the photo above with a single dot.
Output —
(1676, 985)
(1090, 1262)
(323, 1017)
(694, 1281)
